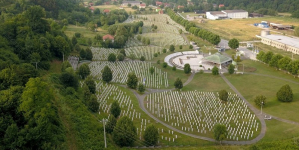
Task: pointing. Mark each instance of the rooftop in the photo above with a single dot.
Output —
(233, 11)
(217, 58)
(284, 39)
(108, 36)
(131, 2)
(217, 13)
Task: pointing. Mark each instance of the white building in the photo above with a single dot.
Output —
(281, 42)
(213, 15)
(236, 14)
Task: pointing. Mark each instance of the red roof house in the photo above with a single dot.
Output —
(158, 3)
(161, 12)
(221, 5)
(142, 5)
(166, 5)
(109, 37)
(180, 6)
(106, 10)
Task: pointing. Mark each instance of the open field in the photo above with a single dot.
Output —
(72, 29)
(242, 29)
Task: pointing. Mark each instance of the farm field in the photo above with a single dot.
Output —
(242, 29)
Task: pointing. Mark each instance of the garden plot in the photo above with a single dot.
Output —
(102, 53)
(197, 112)
(165, 39)
(133, 42)
(121, 70)
(146, 51)
(109, 93)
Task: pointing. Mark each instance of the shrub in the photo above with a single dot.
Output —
(164, 64)
(285, 94)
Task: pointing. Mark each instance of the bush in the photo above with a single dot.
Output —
(285, 94)
(259, 100)
(112, 57)
(178, 84)
(152, 70)
(77, 35)
(110, 124)
(231, 69)
(142, 58)
(181, 46)
(107, 74)
(190, 46)
(141, 88)
(158, 61)
(69, 80)
(164, 64)
(223, 95)
(120, 57)
(171, 48)
(174, 68)
(187, 68)
(215, 71)
(132, 81)
(83, 71)
(156, 55)
(164, 50)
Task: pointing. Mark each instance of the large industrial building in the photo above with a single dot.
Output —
(229, 14)
(281, 42)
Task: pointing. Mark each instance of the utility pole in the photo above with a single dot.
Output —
(104, 133)
(262, 107)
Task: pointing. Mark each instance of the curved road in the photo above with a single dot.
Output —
(260, 117)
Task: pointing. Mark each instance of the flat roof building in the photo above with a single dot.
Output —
(282, 42)
(213, 15)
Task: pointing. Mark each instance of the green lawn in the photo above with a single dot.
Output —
(72, 29)
(253, 85)
(207, 82)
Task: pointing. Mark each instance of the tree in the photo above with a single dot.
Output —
(267, 57)
(295, 14)
(284, 62)
(112, 57)
(215, 71)
(260, 56)
(274, 60)
(107, 74)
(171, 48)
(285, 94)
(148, 41)
(124, 133)
(151, 135)
(164, 64)
(132, 80)
(82, 54)
(233, 43)
(142, 58)
(120, 57)
(110, 124)
(90, 84)
(238, 59)
(93, 104)
(293, 67)
(141, 88)
(83, 71)
(174, 68)
(115, 109)
(260, 100)
(152, 70)
(69, 80)
(220, 132)
(231, 69)
(74, 40)
(190, 46)
(223, 95)
(164, 50)
(88, 55)
(65, 65)
(181, 47)
(139, 31)
(187, 68)
(178, 84)
(35, 58)
(122, 51)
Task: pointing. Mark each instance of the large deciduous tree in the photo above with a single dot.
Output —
(285, 94)
(220, 132)
(151, 135)
(132, 80)
(233, 43)
(83, 71)
(111, 124)
(267, 57)
(215, 70)
(90, 84)
(260, 100)
(107, 74)
(111, 57)
(274, 60)
(284, 62)
(124, 133)
(223, 95)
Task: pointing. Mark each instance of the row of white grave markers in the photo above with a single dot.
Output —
(198, 112)
(109, 93)
(121, 70)
(165, 39)
(102, 53)
(132, 42)
(146, 51)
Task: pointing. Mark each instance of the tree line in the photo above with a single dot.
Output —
(195, 30)
(279, 62)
